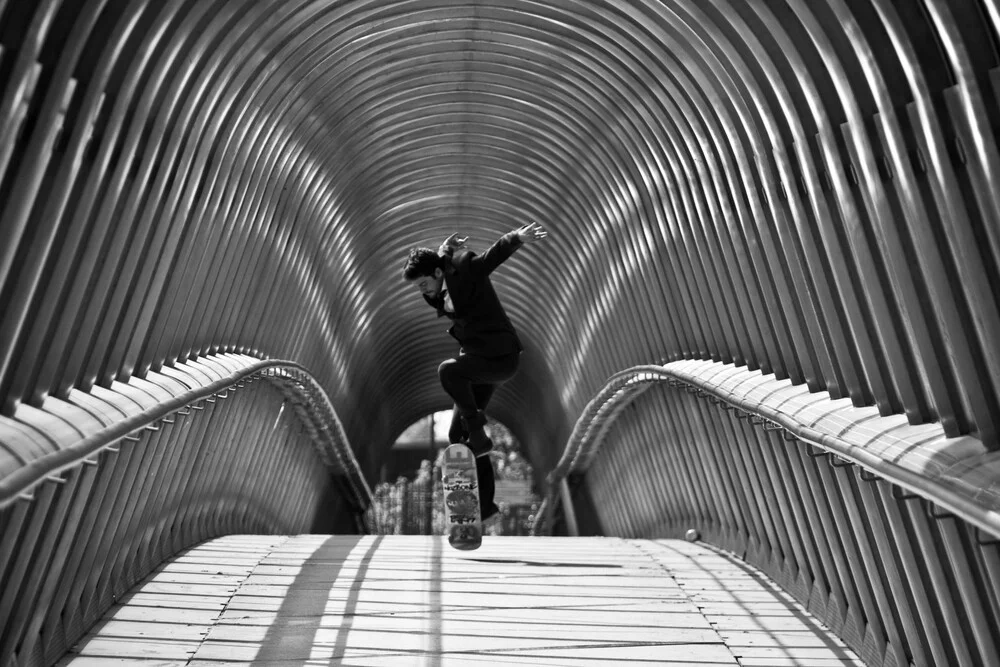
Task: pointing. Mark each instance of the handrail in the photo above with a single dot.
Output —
(336, 451)
(948, 491)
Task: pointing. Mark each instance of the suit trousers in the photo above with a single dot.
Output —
(470, 380)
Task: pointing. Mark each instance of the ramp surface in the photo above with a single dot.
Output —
(401, 600)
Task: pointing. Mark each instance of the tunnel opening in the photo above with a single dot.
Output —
(408, 500)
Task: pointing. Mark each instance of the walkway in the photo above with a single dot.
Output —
(399, 600)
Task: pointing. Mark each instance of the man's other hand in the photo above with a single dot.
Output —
(452, 243)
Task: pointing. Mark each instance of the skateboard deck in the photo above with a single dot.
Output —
(461, 498)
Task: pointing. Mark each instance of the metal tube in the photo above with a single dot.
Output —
(568, 512)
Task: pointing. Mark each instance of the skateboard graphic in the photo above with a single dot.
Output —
(461, 498)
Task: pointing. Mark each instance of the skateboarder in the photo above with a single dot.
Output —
(456, 282)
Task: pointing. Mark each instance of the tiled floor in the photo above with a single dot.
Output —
(349, 600)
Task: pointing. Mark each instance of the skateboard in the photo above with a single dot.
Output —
(461, 498)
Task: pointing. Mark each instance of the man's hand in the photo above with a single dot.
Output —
(531, 232)
(452, 243)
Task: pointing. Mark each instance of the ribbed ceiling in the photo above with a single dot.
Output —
(716, 176)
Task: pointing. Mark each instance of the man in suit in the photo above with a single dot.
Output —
(456, 282)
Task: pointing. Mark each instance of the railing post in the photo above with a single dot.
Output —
(567, 503)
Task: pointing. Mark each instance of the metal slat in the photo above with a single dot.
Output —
(827, 586)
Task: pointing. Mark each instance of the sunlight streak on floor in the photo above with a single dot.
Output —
(412, 600)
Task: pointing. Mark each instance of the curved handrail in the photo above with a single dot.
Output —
(965, 500)
(334, 449)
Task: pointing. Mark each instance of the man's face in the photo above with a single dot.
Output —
(430, 286)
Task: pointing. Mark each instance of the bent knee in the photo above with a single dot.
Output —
(447, 369)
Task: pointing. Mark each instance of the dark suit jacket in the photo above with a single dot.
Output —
(479, 322)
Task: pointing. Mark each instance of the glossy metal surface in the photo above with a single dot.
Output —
(800, 188)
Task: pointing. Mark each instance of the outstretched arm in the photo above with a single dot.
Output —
(506, 245)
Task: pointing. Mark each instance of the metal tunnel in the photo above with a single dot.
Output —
(767, 309)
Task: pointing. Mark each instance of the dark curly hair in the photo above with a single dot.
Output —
(421, 262)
